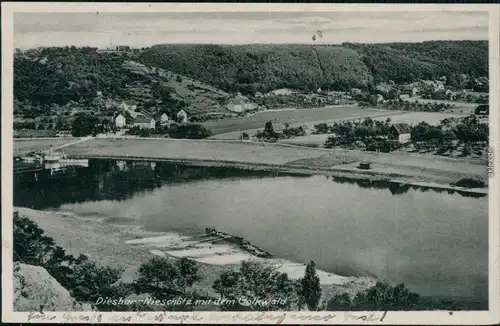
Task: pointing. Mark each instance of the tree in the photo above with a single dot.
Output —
(254, 281)
(381, 296)
(311, 290)
(84, 125)
(164, 278)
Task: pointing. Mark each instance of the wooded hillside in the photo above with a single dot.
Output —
(60, 75)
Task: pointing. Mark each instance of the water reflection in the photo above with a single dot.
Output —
(53, 184)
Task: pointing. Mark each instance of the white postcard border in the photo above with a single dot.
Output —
(392, 317)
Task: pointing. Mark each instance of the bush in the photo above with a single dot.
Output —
(470, 183)
(189, 131)
(254, 281)
(165, 279)
(382, 296)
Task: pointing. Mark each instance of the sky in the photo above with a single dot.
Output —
(105, 29)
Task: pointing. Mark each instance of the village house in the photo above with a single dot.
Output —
(120, 121)
(274, 126)
(482, 109)
(123, 48)
(240, 104)
(145, 122)
(163, 118)
(129, 105)
(380, 99)
(182, 116)
(400, 132)
(304, 129)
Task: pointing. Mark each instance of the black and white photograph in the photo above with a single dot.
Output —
(225, 163)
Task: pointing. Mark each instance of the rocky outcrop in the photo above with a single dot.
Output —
(36, 289)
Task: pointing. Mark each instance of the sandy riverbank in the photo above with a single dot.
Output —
(128, 246)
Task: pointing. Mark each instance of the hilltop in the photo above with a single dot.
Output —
(54, 81)
(251, 68)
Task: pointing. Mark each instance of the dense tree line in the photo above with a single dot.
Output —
(250, 68)
(406, 62)
(48, 76)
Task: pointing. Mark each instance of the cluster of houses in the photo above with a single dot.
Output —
(144, 119)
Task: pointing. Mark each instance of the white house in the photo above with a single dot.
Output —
(240, 104)
(120, 121)
(380, 99)
(129, 105)
(182, 116)
(145, 122)
(164, 118)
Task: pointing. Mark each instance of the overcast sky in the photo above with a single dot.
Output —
(145, 29)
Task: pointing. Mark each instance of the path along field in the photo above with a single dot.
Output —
(28, 145)
(291, 116)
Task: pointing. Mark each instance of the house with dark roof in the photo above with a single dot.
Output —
(482, 109)
(272, 126)
(144, 122)
(400, 132)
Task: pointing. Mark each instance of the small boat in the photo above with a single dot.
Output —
(51, 157)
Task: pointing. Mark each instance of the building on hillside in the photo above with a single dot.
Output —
(182, 116)
(482, 109)
(129, 105)
(163, 118)
(120, 121)
(123, 48)
(380, 99)
(304, 129)
(240, 104)
(144, 122)
(400, 132)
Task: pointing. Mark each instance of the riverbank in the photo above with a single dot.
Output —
(127, 246)
(409, 168)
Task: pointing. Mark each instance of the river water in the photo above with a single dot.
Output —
(434, 242)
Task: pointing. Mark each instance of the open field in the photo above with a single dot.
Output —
(291, 116)
(27, 145)
(380, 114)
(189, 149)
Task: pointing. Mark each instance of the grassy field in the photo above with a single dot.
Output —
(27, 145)
(191, 150)
(291, 116)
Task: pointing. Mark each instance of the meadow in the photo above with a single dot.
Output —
(291, 116)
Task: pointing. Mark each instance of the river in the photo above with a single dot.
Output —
(436, 242)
